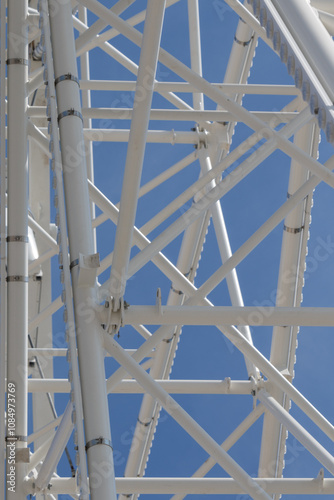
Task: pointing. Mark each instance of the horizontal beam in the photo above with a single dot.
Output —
(226, 386)
(199, 486)
(153, 136)
(226, 315)
(228, 88)
(123, 113)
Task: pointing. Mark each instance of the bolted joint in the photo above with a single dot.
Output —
(112, 317)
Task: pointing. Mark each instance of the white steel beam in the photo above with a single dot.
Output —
(227, 88)
(136, 148)
(284, 340)
(223, 486)
(200, 486)
(3, 249)
(90, 351)
(171, 386)
(227, 315)
(17, 243)
(122, 113)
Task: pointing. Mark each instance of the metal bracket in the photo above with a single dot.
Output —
(21, 239)
(115, 318)
(145, 424)
(68, 76)
(244, 44)
(88, 265)
(70, 112)
(17, 278)
(17, 60)
(158, 301)
(23, 439)
(99, 440)
(179, 292)
(293, 230)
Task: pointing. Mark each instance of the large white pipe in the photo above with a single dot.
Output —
(291, 272)
(17, 242)
(3, 249)
(90, 352)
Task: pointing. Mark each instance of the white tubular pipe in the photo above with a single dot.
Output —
(221, 486)
(90, 350)
(227, 88)
(76, 396)
(43, 234)
(198, 486)
(38, 455)
(44, 430)
(227, 315)
(167, 174)
(195, 48)
(17, 264)
(136, 147)
(58, 486)
(86, 103)
(304, 437)
(312, 38)
(45, 313)
(284, 340)
(56, 449)
(226, 253)
(171, 386)
(3, 249)
(194, 430)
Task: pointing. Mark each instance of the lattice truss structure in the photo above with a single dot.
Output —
(129, 130)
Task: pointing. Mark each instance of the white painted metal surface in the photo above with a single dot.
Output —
(126, 126)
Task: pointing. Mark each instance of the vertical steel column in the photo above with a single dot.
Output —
(86, 103)
(17, 241)
(284, 339)
(90, 351)
(3, 187)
